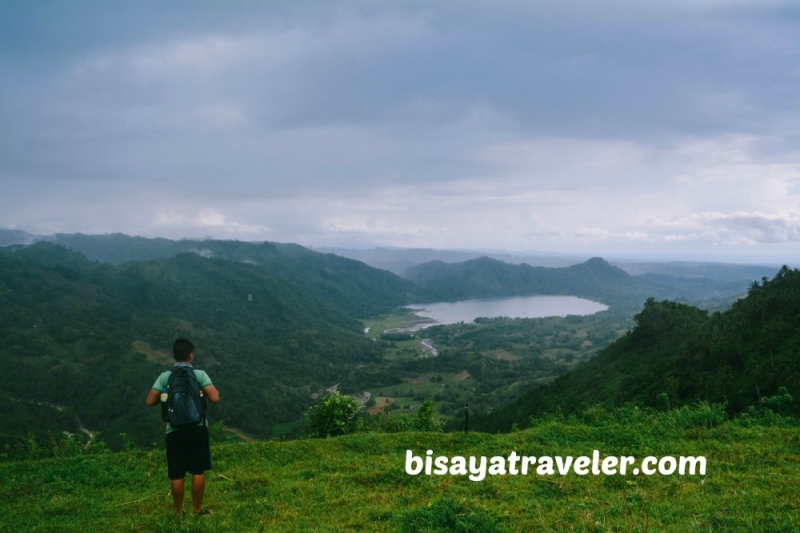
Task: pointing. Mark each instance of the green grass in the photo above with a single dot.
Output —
(359, 483)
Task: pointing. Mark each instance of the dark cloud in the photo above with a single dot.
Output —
(553, 124)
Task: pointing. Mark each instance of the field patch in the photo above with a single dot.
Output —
(380, 403)
(419, 380)
(502, 355)
(153, 355)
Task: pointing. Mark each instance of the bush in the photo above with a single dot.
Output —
(336, 414)
(424, 420)
(773, 411)
(701, 414)
(780, 404)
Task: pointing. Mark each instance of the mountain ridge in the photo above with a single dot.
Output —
(595, 278)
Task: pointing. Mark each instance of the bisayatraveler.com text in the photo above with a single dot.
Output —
(477, 468)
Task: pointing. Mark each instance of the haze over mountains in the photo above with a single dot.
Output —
(398, 260)
(119, 248)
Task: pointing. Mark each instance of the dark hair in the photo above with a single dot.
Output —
(182, 349)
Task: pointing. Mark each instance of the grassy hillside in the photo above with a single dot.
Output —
(359, 483)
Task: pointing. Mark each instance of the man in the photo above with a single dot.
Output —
(187, 449)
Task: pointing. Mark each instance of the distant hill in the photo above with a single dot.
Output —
(678, 354)
(595, 278)
(120, 248)
(9, 237)
(484, 277)
(358, 289)
(85, 340)
(692, 270)
(398, 260)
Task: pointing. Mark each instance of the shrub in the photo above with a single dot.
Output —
(773, 411)
(701, 414)
(781, 403)
(336, 414)
(424, 420)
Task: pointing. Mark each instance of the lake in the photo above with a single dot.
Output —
(513, 307)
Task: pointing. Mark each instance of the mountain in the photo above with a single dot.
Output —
(485, 277)
(84, 340)
(692, 270)
(358, 289)
(678, 354)
(596, 279)
(398, 260)
(9, 237)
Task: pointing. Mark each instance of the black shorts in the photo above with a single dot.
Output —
(188, 450)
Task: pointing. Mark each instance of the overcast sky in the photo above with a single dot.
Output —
(616, 128)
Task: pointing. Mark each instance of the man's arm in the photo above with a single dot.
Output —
(211, 393)
(153, 398)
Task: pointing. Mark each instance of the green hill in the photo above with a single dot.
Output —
(84, 340)
(353, 286)
(360, 483)
(678, 354)
(595, 278)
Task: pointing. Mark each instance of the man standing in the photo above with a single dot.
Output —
(188, 448)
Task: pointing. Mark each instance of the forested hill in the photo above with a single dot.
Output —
(87, 339)
(362, 290)
(356, 288)
(595, 278)
(677, 354)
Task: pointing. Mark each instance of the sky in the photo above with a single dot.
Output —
(659, 129)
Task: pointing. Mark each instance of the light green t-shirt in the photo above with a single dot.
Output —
(161, 384)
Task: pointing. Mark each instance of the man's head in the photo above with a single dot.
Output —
(182, 349)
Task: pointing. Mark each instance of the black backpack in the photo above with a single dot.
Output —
(185, 407)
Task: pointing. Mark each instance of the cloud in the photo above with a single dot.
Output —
(739, 228)
(521, 125)
(205, 222)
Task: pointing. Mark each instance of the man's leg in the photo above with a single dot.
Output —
(198, 488)
(177, 486)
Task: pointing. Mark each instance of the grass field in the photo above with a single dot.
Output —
(359, 483)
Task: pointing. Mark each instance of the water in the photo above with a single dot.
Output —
(514, 307)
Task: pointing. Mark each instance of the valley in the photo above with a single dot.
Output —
(484, 364)
(87, 322)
